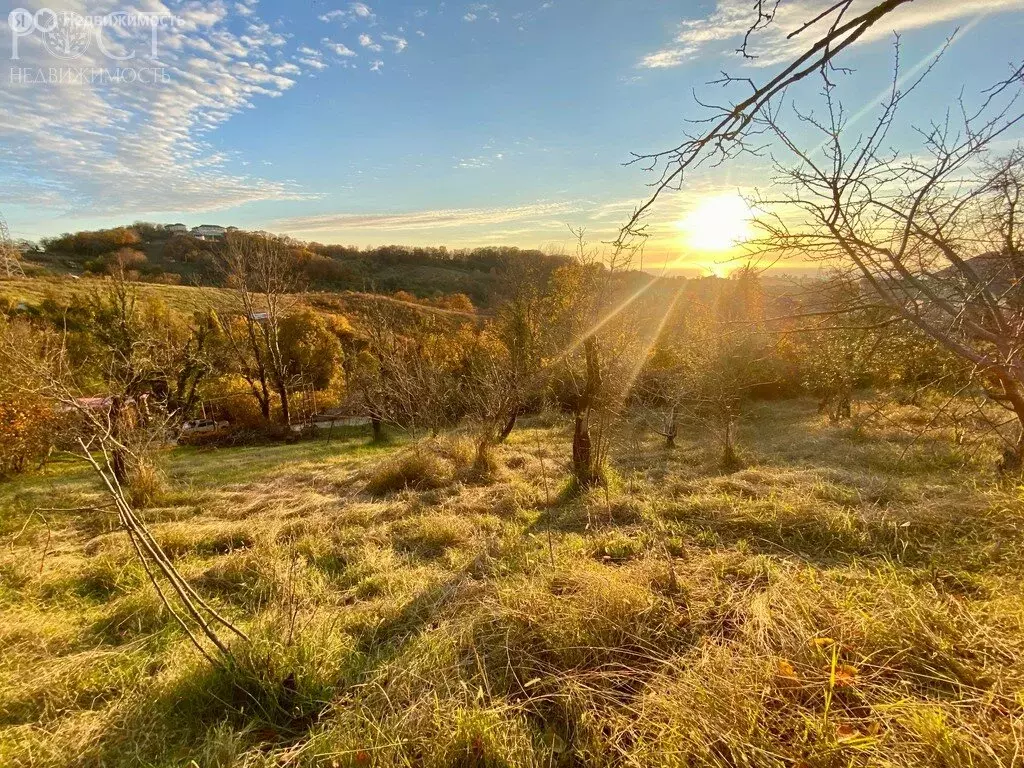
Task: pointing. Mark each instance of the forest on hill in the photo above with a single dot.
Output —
(153, 254)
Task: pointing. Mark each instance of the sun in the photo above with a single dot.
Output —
(717, 223)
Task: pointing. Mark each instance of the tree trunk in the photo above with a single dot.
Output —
(263, 395)
(673, 429)
(586, 462)
(378, 427)
(282, 392)
(582, 451)
(119, 458)
(510, 424)
(1013, 458)
(729, 458)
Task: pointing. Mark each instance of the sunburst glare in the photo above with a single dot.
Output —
(717, 223)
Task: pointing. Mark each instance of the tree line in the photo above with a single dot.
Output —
(592, 339)
(148, 252)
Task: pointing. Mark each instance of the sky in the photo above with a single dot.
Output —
(402, 122)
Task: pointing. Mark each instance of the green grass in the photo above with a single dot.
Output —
(848, 598)
(181, 298)
(187, 299)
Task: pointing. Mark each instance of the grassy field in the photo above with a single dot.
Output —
(849, 598)
(184, 299)
(181, 298)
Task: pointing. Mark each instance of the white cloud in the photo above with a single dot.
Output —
(723, 29)
(260, 34)
(127, 147)
(400, 42)
(481, 10)
(354, 12)
(367, 42)
(339, 49)
(425, 220)
(669, 57)
(317, 64)
(479, 161)
(376, 66)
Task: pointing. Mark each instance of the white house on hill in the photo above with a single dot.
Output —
(209, 232)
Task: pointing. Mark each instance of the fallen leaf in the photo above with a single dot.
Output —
(846, 732)
(846, 675)
(784, 669)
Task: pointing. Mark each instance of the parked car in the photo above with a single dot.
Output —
(202, 426)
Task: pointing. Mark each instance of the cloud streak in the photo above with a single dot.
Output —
(723, 29)
(428, 219)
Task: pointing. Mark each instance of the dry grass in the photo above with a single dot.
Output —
(847, 599)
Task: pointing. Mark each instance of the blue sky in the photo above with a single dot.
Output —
(407, 122)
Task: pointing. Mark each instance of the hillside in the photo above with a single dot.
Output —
(161, 257)
(33, 291)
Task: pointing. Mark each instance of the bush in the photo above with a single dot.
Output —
(429, 465)
(420, 469)
(235, 401)
(146, 483)
(93, 243)
(27, 427)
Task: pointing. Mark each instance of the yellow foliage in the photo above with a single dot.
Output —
(27, 426)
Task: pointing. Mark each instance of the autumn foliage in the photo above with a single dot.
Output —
(27, 425)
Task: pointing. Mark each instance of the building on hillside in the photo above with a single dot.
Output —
(177, 229)
(209, 232)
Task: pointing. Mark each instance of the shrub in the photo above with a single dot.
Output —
(235, 401)
(146, 484)
(420, 469)
(27, 426)
(93, 243)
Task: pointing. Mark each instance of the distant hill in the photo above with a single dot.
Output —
(159, 256)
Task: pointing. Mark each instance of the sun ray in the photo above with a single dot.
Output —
(871, 104)
(577, 343)
(642, 358)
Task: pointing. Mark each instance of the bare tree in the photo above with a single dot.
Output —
(585, 337)
(712, 355)
(729, 130)
(934, 235)
(518, 326)
(260, 272)
(409, 371)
